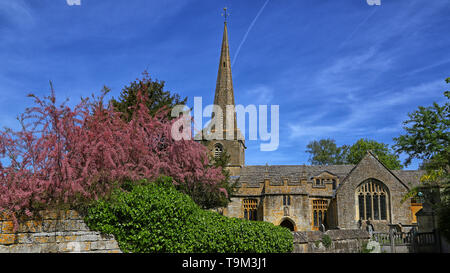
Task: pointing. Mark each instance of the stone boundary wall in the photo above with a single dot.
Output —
(53, 232)
(342, 241)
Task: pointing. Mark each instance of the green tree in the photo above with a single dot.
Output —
(158, 98)
(427, 137)
(358, 150)
(326, 152)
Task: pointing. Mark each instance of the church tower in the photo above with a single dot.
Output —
(231, 141)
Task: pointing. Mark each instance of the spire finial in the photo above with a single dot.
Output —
(225, 13)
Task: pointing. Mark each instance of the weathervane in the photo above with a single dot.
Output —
(225, 13)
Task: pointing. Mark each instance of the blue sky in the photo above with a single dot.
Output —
(338, 69)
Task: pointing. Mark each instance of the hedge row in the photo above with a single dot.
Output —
(157, 218)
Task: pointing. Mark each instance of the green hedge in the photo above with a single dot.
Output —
(157, 218)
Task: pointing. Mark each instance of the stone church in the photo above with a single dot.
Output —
(302, 197)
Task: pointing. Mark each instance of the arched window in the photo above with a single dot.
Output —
(372, 198)
(218, 150)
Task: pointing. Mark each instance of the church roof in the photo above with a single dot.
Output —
(410, 177)
(254, 175)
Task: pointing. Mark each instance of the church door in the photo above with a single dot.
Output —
(288, 224)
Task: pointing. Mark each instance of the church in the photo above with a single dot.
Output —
(302, 197)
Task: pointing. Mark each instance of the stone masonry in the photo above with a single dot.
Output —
(342, 241)
(53, 232)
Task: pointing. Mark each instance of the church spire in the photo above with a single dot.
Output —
(231, 141)
(224, 87)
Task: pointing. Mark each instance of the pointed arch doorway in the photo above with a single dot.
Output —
(288, 223)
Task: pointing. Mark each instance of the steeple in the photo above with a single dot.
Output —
(224, 86)
(232, 141)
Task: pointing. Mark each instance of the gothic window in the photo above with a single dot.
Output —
(250, 209)
(218, 150)
(319, 212)
(368, 206)
(383, 207)
(334, 184)
(376, 209)
(372, 200)
(361, 206)
(315, 219)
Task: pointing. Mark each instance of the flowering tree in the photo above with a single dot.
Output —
(69, 156)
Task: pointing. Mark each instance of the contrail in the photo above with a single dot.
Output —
(358, 27)
(248, 31)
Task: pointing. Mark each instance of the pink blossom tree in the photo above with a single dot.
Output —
(66, 156)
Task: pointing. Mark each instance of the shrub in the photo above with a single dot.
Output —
(155, 217)
(326, 240)
(364, 248)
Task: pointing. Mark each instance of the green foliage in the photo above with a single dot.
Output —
(158, 98)
(326, 152)
(364, 248)
(326, 240)
(156, 217)
(427, 137)
(317, 243)
(358, 150)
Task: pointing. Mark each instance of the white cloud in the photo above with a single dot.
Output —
(368, 60)
(366, 112)
(425, 68)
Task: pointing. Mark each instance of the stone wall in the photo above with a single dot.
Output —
(342, 241)
(53, 232)
(370, 168)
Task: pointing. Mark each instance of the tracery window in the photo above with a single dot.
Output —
(218, 150)
(250, 209)
(319, 212)
(372, 201)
